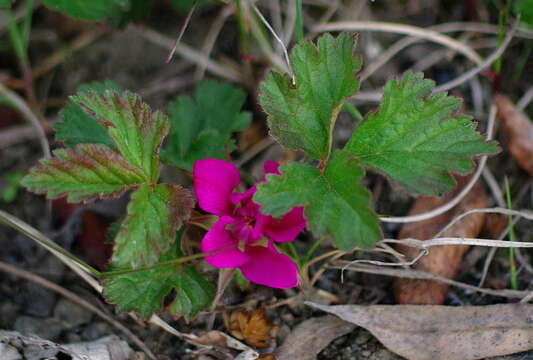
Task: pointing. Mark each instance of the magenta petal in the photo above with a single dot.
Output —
(269, 267)
(214, 181)
(287, 227)
(238, 197)
(218, 238)
(271, 167)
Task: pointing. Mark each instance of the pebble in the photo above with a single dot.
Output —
(48, 329)
(70, 314)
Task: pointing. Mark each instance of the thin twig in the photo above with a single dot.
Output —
(415, 31)
(21, 105)
(425, 244)
(415, 274)
(189, 54)
(182, 31)
(210, 40)
(453, 202)
(525, 99)
(493, 186)
(485, 64)
(78, 300)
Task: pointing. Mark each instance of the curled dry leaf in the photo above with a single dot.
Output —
(441, 260)
(311, 336)
(519, 131)
(436, 332)
(253, 328)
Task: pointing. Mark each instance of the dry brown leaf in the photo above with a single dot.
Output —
(441, 260)
(436, 332)
(311, 336)
(519, 131)
(253, 328)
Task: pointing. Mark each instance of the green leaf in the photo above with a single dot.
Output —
(136, 131)
(302, 116)
(11, 186)
(95, 10)
(5, 4)
(85, 173)
(155, 213)
(202, 127)
(77, 127)
(145, 291)
(414, 139)
(525, 9)
(334, 201)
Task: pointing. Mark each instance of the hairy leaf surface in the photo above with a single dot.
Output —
(202, 126)
(77, 127)
(334, 201)
(302, 115)
(155, 213)
(85, 173)
(136, 130)
(145, 291)
(414, 139)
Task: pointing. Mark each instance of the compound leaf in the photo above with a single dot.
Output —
(95, 10)
(145, 291)
(202, 126)
(334, 203)
(155, 213)
(302, 116)
(414, 139)
(136, 131)
(85, 173)
(77, 127)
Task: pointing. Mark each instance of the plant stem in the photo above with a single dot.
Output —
(294, 254)
(502, 22)
(299, 30)
(177, 261)
(350, 108)
(312, 249)
(512, 263)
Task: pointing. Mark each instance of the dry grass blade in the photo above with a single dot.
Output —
(442, 260)
(75, 298)
(414, 31)
(414, 274)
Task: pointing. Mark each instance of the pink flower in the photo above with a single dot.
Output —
(243, 236)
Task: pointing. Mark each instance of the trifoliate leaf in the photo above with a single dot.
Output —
(302, 115)
(77, 127)
(414, 139)
(202, 127)
(95, 10)
(144, 291)
(334, 202)
(85, 173)
(155, 213)
(136, 131)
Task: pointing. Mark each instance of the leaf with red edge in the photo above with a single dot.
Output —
(135, 129)
(83, 174)
(155, 213)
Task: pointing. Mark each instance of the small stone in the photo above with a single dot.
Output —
(70, 314)
(366, 353)
(48, 329)
(96, 330)
(362, 337)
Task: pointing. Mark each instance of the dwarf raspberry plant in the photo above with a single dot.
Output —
(114, 142)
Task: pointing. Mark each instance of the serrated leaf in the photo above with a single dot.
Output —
(334, 202)
(95, 10)
(202, 126)
(414, 139)
(136, 130)
(302, 116)
(77, 127)
(85, 173)
(145, 291)
(155, 213)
